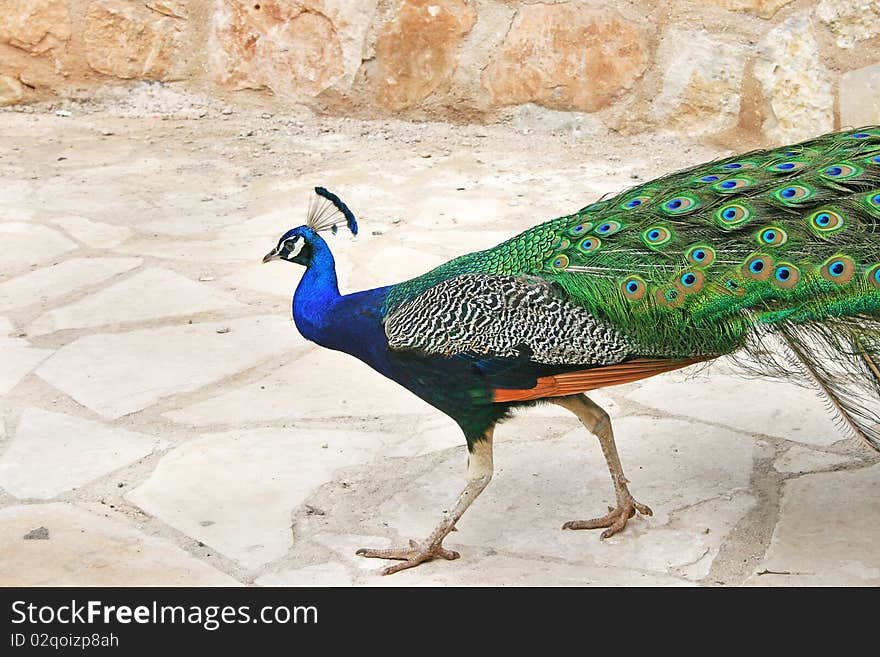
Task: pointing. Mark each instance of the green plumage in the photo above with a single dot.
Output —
(709, 260)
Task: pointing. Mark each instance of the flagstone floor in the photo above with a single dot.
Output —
(162, 421)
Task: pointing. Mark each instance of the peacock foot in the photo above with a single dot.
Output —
(410, 556)
(615, 520)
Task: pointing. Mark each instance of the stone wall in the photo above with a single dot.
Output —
(765, 69)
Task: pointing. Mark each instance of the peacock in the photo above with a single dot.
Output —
(772, 257)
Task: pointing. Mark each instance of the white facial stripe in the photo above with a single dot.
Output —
(298, 243)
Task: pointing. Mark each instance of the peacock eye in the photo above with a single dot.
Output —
(293, 245)
(838, 269)
(702, 256)
(786, 276)
(609, 228)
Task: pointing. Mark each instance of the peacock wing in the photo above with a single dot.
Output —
(501, 316)
(688, 264)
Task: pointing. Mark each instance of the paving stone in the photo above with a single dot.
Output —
(399, 263)
(248, 250)
(236, 491)
(148, 295)
(801, 459)
(281, 396)
(86, 549)
(48, 283)
(322, 574)
(30, 244)
(18, 359)
(785, 410)
(483, 566)
(431, 434)
(6, 327)
(693, 476)
(345, 545)
(93, 233)
(266, 279)
(492, 569)
(281, 279)
(828, 532)
(121, 373)
(51, 453)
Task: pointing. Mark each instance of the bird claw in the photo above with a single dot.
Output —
(410, 556)
(615, 520)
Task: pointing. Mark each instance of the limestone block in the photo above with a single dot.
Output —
(11, 90)
(127, 40)
(702, 82)
(567, 56)
(293, 48)
(851, 21)
(799, 102)
(417, 52)
(36, 25)
(860, 97)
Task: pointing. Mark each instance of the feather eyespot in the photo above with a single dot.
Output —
(656, 236)
(670, 297)
(874, 199)
(732, 287)
(562, 244)
(787, 167)
(635, 202)
(581, 228)
(873, 276)
(559, 262)
(731, 184)
(701, 256)
(633, 288)
(758, 267)
(609, 228)
(589, 244)
(825, 222)
(733, 214)
(691, 281)
(876, 159)
(708, 179)
(772, 236)
(786, 275)
(838, 269)
(735, 166)
(841, 171)
(680, 205)
(861, 135)
(793, 194)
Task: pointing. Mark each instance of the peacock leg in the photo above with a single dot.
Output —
(597, 422)
(479, 474)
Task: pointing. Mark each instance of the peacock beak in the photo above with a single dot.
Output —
(272, 255)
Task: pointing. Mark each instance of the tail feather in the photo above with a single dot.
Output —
(839, 357)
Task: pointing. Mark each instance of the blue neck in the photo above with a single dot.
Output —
(316, 294)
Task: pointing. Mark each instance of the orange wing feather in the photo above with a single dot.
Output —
(573, 383)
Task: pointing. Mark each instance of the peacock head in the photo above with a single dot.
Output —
(297, 244)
